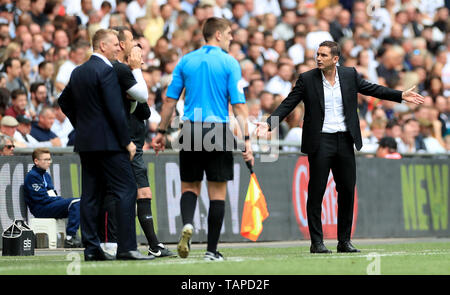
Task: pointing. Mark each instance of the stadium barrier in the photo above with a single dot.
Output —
(394, 198)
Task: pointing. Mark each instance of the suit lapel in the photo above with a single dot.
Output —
(319, 89)
(344, 88)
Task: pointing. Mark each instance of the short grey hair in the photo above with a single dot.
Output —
(4, 139)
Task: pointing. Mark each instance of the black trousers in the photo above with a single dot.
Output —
(112, 169)
(335, 153)
(108, 223)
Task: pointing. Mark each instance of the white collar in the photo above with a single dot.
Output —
(103, 58)
(336, 76)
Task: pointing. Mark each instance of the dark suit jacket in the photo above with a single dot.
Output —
(309, 89)
(336, 31)
(93, 103)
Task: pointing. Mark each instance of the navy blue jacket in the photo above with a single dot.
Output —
(93, 103)
(41, 134)
(37, 183)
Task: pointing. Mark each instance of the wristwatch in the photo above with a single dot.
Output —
(161, 131)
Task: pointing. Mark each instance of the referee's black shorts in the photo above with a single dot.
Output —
(214, 156)
(139, 169)
(218, 166)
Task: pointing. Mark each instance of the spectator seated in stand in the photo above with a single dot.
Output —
(8, 127)
(41, 129)
(6, 145)
(387, 148)
(22, 134)
(18, 103)
(409, 47)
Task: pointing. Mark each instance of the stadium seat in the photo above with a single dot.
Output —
(49, 226)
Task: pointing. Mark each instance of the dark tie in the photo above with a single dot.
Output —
(166, 29)
(24, 137)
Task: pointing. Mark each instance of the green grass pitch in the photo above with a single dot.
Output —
(418, 258)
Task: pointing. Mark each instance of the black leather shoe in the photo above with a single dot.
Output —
(319, 248)
(133, 255)
(100, 256)
(346, 247)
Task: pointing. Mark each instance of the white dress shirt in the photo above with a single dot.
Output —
(30, 141)
(277, 85)
(267, 6)
(97, 4)
(65, 71)
(62, 129)
(334, 107)
(313, 39)
(297, 53)
(72, 6)
(294, 135)
(134, 11)
(83, 18)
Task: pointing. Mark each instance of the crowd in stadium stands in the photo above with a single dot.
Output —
(399, 44)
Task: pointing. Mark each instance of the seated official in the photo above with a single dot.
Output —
(44, 202)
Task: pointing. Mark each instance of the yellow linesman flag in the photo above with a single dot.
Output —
(255, 211)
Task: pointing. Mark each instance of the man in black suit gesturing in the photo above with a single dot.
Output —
(93, 102)
(330, 129)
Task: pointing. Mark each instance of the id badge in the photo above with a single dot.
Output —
(51, 193)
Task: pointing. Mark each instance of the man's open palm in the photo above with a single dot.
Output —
(412, 97)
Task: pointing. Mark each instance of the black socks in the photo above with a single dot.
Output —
(144, 212)
(215, 220)
(188, 202)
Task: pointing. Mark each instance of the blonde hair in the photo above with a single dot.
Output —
(101, 35)
(12, 46)
(378, 123)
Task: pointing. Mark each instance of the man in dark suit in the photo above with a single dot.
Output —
(93, 102)
(341, 27)
(330, 129)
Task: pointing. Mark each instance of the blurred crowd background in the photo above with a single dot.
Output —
(395, 43)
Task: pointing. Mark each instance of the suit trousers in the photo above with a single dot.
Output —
(335, 153)
(113, 170)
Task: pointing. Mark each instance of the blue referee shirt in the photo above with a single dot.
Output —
(211, 77)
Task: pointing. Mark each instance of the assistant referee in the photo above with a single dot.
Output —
(210, 77)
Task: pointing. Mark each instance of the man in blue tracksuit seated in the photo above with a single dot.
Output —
(43, 200)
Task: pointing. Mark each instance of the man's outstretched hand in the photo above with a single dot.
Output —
(412, 97)
(262, 130)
